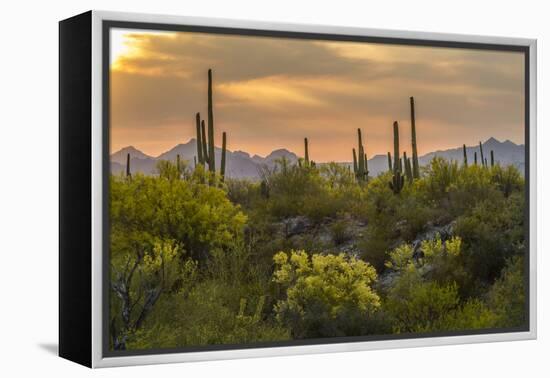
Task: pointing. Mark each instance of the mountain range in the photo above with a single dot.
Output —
(240, 164)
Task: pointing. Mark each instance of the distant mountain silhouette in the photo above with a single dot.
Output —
(120, 156)
(241, 165)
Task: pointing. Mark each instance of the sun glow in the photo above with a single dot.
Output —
(123, 44)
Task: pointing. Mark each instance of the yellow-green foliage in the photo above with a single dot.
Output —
(325, 295)
(196, 261)
(400, 257)
(211, 313)
(426, 296)
(198, 216)
(307, 190)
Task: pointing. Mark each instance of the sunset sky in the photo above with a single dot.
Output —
(270, 93)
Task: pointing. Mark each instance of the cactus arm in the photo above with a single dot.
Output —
(199, 139)
(389, 162)
(415, 166)
(203, 141)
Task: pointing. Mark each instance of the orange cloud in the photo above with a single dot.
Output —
(272, 92)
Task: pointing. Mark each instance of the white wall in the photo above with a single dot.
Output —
(28, 188)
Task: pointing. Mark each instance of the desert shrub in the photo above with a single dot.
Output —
(440, 175)
(491, 232)
(474, 314)
(380, 210)
(507, 179)
(142, 271)
(472, 185)
(426, 296)
(210, 314)
(393, 218)
(196, 215)
(415, 304)
(315, 192)
(507, 295)
(339, 231)
(324, 296)
(337, 176)
(242, 192)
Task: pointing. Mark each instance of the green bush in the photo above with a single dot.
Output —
(491, 232)
(507, 295)
(324, 295)
(196, 215)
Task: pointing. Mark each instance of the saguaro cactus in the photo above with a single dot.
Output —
(397, 160)
(205, 142)
(389, 162)
(481, 154)
(360, 165)
(306, 153)
(408, 168)
(396, 185)
(465, 155)
(128, 173)
(492, 158)
(199, 138)
(211, 152)
(415, 166)
(224, 148)
(475, 157)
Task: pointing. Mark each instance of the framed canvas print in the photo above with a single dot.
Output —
(237, 189)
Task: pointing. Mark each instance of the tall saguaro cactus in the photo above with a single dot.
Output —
(360, 164)
(128, 173)
(481, 154)
(206, 150)
(415, 166)
(224, 149)
(492, 158)
(465, 155)
(475, 157)
(306, 153)
(211, 152)
(396, 185)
